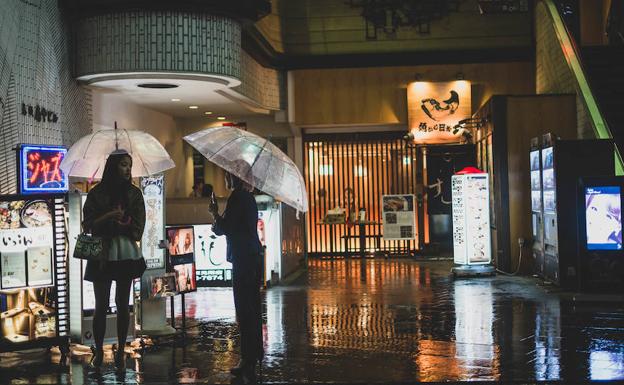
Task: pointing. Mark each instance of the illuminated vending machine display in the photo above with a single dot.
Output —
(563, 163)
(270, 234)
(537, 214)
(33, 288)
(601, 251)
(471, 219)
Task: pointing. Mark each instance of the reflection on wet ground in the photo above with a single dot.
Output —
(381, 321)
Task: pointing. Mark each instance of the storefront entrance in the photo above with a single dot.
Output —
(353, 171)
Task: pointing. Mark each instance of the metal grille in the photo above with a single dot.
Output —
(60, 262)
(353, 171)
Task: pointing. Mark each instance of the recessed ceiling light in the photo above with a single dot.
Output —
(221, 117)
(193, 107)
(175, 100)
(157, 85)
(208, 112)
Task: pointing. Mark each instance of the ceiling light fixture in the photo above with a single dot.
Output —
(157, 85)
(208, 112)
(221, 117)
(193, 107)
(175, 100)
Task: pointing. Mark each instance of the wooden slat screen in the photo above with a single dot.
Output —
(354, 171)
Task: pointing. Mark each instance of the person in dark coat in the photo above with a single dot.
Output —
(114, 210)
(244, 251)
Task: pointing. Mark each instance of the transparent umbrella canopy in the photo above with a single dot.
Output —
(265, 166)
(86, 158)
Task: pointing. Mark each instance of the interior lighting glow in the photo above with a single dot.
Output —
(175, 100)
(193, 107)
(221, 117)
(326, 169)
(208, 112)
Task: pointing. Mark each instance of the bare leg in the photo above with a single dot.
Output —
(122, 297)
(101, 290)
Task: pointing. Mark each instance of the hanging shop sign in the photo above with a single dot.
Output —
(213, 269)
(181, 257)
(29, 300)
(435, 109)
(39, 169)
(153, 189)
(398, 215)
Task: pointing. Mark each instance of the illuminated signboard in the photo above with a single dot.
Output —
(39, 169)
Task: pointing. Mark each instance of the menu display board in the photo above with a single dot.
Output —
(471, 219)
(398, 215)
(210, 257)
(27, 294)
(181, 259)
(163, 286)
(40, 171)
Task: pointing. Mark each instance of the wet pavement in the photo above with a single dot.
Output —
(381, 321)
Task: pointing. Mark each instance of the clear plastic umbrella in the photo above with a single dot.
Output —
(265, 166)
(86, 158)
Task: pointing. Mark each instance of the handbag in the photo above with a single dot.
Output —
(88, 247)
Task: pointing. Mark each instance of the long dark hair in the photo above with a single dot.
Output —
(115, 185)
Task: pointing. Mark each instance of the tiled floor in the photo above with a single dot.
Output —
(381, 321)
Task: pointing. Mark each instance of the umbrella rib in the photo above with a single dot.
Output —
(222, 147)
(89, 144)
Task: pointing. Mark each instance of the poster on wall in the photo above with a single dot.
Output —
(27, 296)
(153, 196)
(163, 286)
(213, 269)
(398, 216)
(435, 108)
(181, 259)
(40, 171)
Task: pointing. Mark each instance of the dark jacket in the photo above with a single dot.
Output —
(239, 225)
(99, 203)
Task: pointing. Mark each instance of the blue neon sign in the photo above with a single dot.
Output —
(40, 171)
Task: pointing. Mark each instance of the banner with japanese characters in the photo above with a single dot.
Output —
(153, 188)
(435, 109)
(398, 216)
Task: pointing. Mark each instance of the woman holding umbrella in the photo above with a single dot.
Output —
(114, 210)
(244, 251)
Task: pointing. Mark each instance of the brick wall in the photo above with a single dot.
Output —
(35, 71)
(553, 76)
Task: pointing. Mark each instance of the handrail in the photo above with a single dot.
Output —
(572, 57)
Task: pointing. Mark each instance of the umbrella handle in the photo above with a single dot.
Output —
(116, 140)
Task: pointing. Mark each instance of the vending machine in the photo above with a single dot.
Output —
(563, 163)
(537, 209)
(471, 219)
(601, 254)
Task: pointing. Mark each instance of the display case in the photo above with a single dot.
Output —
(471, 219)
(33, 267)
(270, 234)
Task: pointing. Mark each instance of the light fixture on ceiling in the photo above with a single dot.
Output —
(193, 107)
(175, 100)
(158, 86)
(208, 112)
(221, 117)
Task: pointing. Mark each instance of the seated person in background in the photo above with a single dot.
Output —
(197, 190)
(206, 191)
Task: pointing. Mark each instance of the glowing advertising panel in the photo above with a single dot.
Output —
(27, 294)
(471, 219)
(269, 233)
(210, 257)
(603, 217)
(39, 169)
(153, 195)
(181, 258)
